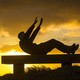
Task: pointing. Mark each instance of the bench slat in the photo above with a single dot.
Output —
(28, 59)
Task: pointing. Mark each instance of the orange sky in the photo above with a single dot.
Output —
(61, 20)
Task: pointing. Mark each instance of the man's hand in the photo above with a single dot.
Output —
(35, 21)
(40, 22)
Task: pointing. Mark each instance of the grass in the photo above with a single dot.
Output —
(43, 73)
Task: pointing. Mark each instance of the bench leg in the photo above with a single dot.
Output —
(18, 70)
(66, 64)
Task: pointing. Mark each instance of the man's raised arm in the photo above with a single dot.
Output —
(36, 31)
(29, 31)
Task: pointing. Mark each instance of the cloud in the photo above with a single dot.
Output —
(61, 19)
(19, 14)
(6, 38)
(8, 48)
(3, 33)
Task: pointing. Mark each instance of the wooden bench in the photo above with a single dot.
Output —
(19, 61)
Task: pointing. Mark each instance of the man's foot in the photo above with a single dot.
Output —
(73, 48)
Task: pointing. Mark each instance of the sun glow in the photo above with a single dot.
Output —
(9, 68)
(14, 52)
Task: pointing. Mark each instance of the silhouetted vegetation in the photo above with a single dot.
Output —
(37, 73)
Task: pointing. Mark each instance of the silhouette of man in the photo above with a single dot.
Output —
(27, 45)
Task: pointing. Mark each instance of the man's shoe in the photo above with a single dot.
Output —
(72, 49)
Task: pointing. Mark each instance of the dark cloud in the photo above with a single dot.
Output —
(14, 14)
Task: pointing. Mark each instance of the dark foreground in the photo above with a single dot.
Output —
(36, 73)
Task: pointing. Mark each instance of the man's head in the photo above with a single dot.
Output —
(21, 35)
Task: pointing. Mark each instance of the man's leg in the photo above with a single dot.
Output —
(51, 44)
(65, 48)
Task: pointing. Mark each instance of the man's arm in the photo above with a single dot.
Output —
(28, 32)
(40, 22)
(36, 31)
(35, 21)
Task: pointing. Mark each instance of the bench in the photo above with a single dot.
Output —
(19, 61)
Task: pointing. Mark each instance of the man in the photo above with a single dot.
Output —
(27, 45)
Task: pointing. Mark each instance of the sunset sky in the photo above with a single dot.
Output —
(61, 21)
